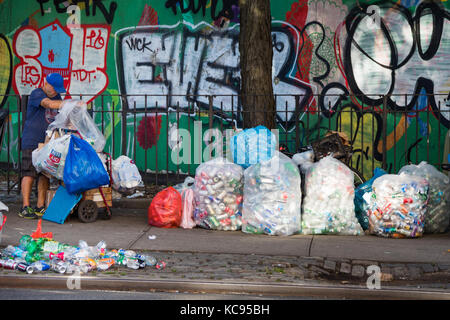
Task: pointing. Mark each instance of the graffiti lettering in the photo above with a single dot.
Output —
(61, 7)
(187, 63)
(138, 44)
(77, 53)
(226, 12)
(406, 55)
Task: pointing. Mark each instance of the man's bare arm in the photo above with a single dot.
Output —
(51, 104)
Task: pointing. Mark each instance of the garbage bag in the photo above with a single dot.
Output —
(125, 174)
(165, 209)
(218, 193)
(437, 218)
(83, 169)
(187, 184)
(361, 206)
(187, 212)
(73, 114)
(272, 197)
(253, 145)
(397, 206)
(328, 206)
(51, 157)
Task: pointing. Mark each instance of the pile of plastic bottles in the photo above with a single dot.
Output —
(328, 207)
(42, 254)
(397, 206)
(437, 217)
(218, 196)
(272, 197)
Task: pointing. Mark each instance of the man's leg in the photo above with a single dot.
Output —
(29, 174)
(43, 184)
(27, 186)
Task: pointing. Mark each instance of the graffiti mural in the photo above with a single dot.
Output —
(149, 67)
(77, 53)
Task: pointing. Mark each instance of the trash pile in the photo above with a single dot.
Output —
(272, 197)
(437, 218)
(39, 252)
(328, 207)
(218, 193)
(259, 190)
(397, 205)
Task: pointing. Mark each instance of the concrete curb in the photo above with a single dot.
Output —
(305, 289)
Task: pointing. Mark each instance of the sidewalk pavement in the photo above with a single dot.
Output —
(224, 257)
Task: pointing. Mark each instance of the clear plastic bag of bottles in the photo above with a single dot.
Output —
(437, 218)
(218, 193)
(73, 114)
(328, 206)
(397, 206)
(272, 197)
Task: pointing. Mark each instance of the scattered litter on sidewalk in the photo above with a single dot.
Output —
(39, 252)
(136, 195)
(152, 237)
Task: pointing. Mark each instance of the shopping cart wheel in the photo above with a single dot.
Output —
(87, 211)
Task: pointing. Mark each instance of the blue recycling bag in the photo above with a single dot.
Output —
(83, 169)
(360, 204)
(253, 146)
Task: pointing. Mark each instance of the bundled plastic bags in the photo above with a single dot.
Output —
(73, 114)
(125, 174)
(272, 197)
(83, 169)
(437, 217)
(187, 211)
(361, 206)
(218, 192)
(165, 209)
(398, 205)
(252, 146)
(50, 159)
(328, 206)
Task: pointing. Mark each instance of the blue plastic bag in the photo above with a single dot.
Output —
(253, 146)
(83, 169)
(360, 204)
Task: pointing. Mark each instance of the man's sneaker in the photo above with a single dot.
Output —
(27, 213)
(39, 211)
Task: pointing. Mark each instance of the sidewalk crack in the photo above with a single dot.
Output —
(132, 243)
(310, 245)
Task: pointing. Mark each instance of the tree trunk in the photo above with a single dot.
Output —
(255, 45)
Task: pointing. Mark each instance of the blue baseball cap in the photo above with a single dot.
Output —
(57, 82)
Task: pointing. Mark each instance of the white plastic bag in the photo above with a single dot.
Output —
(125, 174)
(73, 114)
(437, 217)
(397, 205)
(218, 195)
(328, 207)
(187, 209)
(272, 197)
(51, 157)
(187, 184)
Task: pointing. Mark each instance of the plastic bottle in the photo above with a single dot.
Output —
(40, 266)
(160, 265)
(133, 263)
(24, 241)
(105, 264)
(149, 260)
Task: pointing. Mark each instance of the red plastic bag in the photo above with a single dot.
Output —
(165, 209)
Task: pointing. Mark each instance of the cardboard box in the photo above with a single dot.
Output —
(95, 195)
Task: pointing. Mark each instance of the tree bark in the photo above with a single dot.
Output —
(255, 45)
